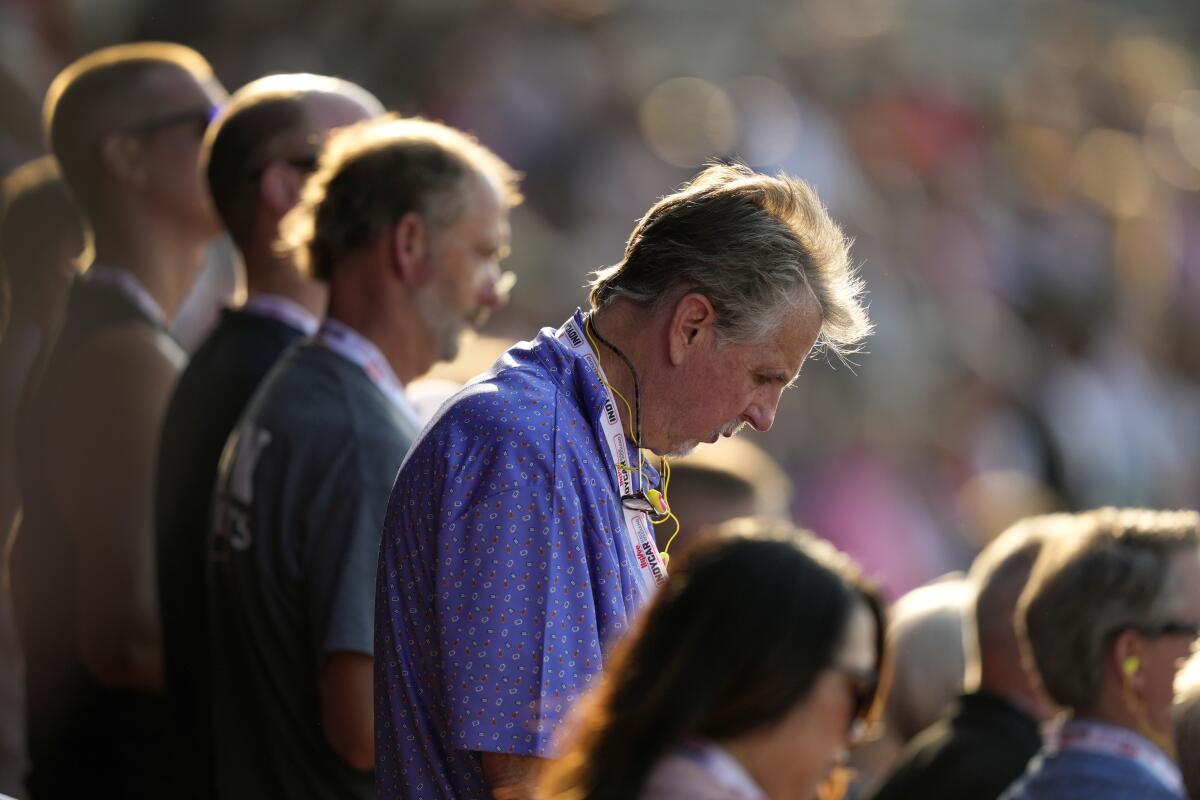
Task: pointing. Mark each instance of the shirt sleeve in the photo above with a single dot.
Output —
(520, 636)
(344, 526)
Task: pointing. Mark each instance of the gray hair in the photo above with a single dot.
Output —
(373, 173)
(1100, 572)
(754, 245)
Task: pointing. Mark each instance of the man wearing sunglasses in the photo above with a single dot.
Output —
(125, 124)
(257, 155)
(1111, 612)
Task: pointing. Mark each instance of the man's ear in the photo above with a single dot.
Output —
(279, 188)
(1125, 657)
(123, 158)
(411, 257)
(692, 327)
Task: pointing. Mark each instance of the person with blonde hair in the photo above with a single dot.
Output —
(1110, 612)
(747, 678)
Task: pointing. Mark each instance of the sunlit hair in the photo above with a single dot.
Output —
(101, 93)
(373, 173)
(264, 120)
(1187, 724)
(998, 576)
(732, 642)
(1100, 572)
(756, 246)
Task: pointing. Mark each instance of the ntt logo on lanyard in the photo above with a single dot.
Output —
(651, 569)
(610, 412)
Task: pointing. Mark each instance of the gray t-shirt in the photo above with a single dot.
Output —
(301, 495)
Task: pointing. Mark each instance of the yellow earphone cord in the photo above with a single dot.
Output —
(666, 465)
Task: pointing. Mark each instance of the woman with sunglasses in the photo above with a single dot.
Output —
(748, 677)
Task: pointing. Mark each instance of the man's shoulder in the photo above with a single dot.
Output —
(303, 392)
(320, 402)
(1078, 775)
(240, 346)
(946, 760)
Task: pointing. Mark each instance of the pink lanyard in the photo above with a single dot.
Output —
(127, 284)
(357, 349)
(281, 309)
(1094, 737)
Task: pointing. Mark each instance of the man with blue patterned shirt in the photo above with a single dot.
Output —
(519, 542)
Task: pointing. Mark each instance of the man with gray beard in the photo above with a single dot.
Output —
(402, 216)
(519, 540)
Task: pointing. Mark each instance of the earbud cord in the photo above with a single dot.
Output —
(635, 413)
(1135, 706)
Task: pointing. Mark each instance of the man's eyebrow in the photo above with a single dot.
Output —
(780, 376)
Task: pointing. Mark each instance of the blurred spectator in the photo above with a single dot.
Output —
(698, 705)
(41, 239)
(405, 221)
(984, 743)
(1187, 725)
(1110, 612)
(1021, 181)
(126, 125)
(256, 156)
(929, 619)
(718, 482)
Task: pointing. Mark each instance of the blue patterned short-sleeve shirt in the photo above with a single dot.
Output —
(504, 574)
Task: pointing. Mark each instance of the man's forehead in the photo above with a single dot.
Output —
(790, 345)
(166, 89)
(328, 110)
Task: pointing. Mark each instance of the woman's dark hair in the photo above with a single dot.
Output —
(733, 641)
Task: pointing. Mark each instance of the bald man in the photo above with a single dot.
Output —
(983, 742)
(126, 125)
(257, 156)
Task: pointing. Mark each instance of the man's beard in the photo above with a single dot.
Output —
(730, 429)
(441, 321)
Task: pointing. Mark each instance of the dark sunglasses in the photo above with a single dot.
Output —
(299, 163)
(864, 686)
(200, 117)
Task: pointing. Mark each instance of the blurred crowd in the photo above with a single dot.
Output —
(1022, 185)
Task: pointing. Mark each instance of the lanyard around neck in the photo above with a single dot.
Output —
(1094, 737)
(357, 349)
(638, 528)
